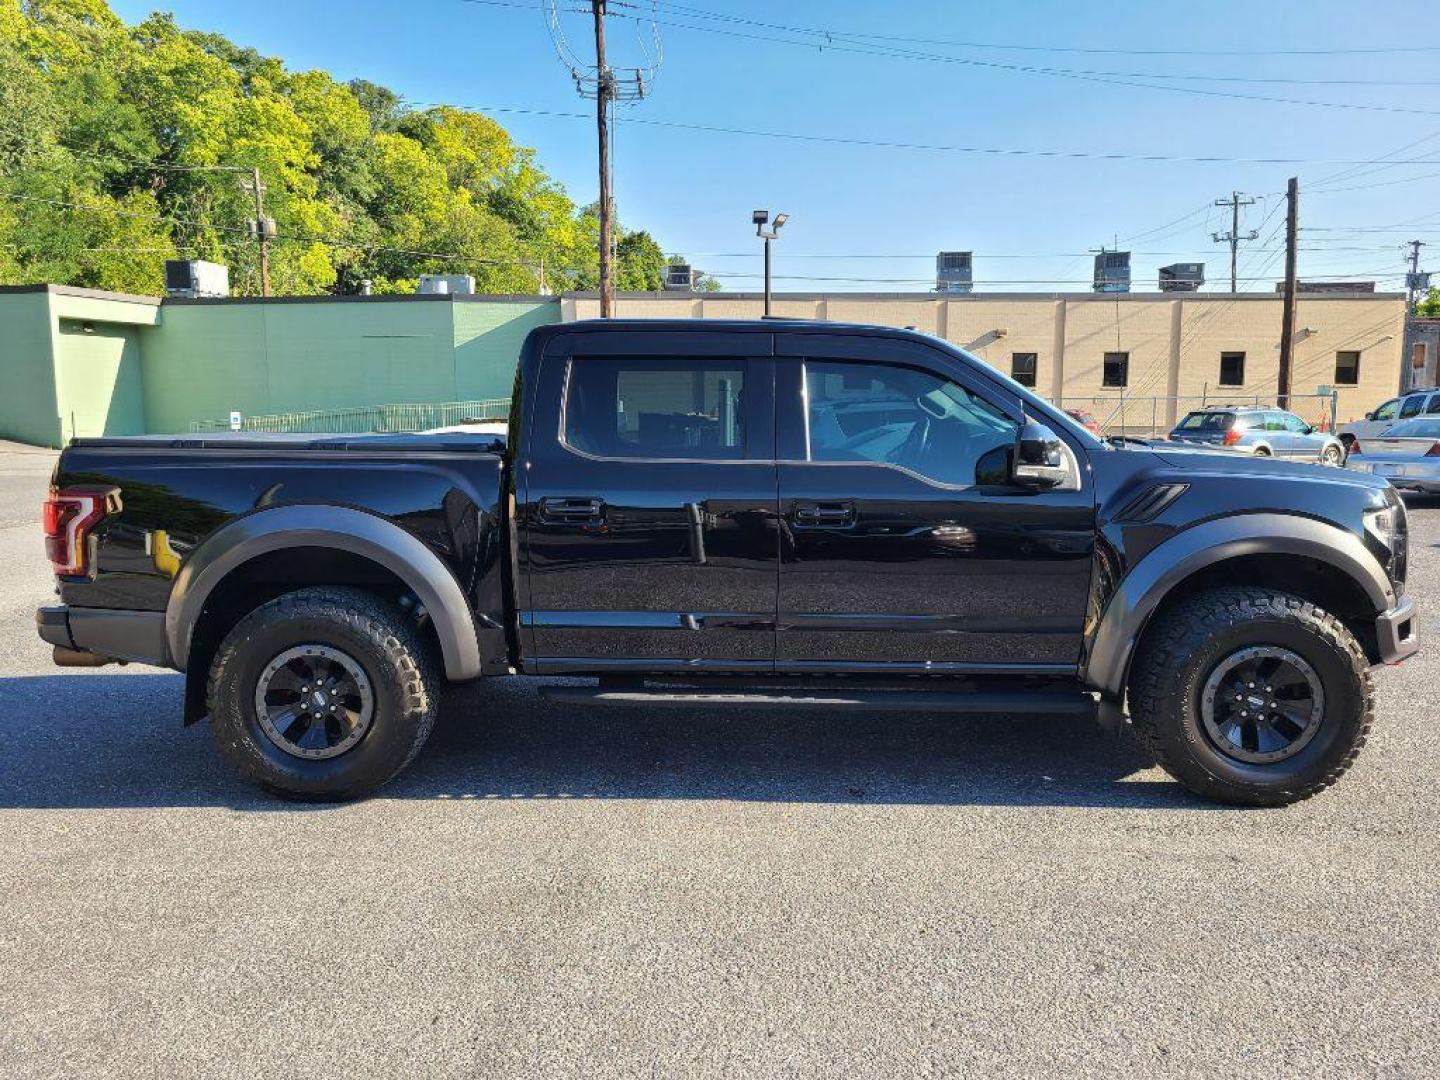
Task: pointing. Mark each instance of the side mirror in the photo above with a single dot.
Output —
(1309, 429)
(1039, 460)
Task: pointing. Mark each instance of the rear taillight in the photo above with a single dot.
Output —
(1434, 450)
(1354, 448)
(69, 516)
(1232, 437)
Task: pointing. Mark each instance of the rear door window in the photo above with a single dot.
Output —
(656, 409)
(1412, 406)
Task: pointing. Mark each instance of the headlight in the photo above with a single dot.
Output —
(1386, 525)
(1387, 529)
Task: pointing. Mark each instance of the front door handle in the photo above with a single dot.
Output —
(839, 514)
(585, 511)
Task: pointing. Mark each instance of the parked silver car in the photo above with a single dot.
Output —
(1260, 431)
(1422, 401)
(1407, 454)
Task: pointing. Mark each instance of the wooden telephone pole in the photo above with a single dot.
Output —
(264, 229)
(1287, 327)
(604, 95)
(1234, 236)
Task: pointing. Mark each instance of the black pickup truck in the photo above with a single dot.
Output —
(744, 514)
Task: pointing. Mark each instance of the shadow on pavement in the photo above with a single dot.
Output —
(100, 740)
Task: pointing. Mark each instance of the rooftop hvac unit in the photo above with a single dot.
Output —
(446, 284)
(1112, 272)
(954, 271)
(191, 278)
(1182, 277)
(679, 277)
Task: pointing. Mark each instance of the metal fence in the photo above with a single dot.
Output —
(367, 418)
(1155, 417)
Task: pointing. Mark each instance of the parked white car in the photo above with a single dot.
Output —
(1408, 455)
(1422, 401)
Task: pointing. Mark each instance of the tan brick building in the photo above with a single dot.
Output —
(1093, 350)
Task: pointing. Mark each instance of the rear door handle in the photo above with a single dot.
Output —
(824, 515)
(572, 511)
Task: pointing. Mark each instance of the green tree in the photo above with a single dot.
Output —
(1430, 306)
(121, 146)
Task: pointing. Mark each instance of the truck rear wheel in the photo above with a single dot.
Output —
(323, 694)
(1251, 696)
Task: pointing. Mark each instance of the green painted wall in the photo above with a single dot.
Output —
(28, 410)
(488, 336)
(97, 379)
(84, 364)
(205, 360)
(96, 346)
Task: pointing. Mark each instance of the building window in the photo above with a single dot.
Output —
(1232, 369)
(1347, 367)
(1117, 369)
(1022, 367)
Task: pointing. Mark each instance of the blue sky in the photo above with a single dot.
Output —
(1026, 218)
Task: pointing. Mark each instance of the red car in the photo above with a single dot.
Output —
(1085, 418)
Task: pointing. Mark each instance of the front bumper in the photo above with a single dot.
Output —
(120, 635)
(1397, 632)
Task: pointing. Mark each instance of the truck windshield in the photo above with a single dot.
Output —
(1207, 421)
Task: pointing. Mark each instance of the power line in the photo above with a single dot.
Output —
(701, 12)
(837, 43)
(886, 144)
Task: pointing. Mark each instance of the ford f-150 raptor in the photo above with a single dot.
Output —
(746, 514)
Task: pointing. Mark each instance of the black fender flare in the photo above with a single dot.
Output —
(345, 529)
(1141, 591)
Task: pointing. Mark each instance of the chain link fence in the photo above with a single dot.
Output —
(1155, 417)
(367, 419)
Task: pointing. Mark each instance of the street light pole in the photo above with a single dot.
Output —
(761, 218)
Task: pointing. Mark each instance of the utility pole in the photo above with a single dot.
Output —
(604, 94)
(1412, 280)
(1287, 328)
(264, 229)
(606, 86)
(1233, 237)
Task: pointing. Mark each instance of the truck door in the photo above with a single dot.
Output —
(650, 539)
(893, 555)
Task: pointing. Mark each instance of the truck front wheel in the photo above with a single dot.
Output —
(1251, 696)
(323, 694)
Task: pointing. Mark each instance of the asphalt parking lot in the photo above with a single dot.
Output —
(550, 892)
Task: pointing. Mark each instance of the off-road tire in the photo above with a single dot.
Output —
(1180, 650)
(399, 663)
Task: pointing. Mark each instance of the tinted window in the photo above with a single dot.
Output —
(1232, 369)
(1434, 406)
(1207, 421)
(1347, 367)
(1117, 369)
(898, 416)
(656, 408)
(1412, 407)
(1294, 423)
(1022, 367)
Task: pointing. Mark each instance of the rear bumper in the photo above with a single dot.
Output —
(122, 635)
(1397, 632)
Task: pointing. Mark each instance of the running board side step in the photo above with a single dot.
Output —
(1046, 702)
